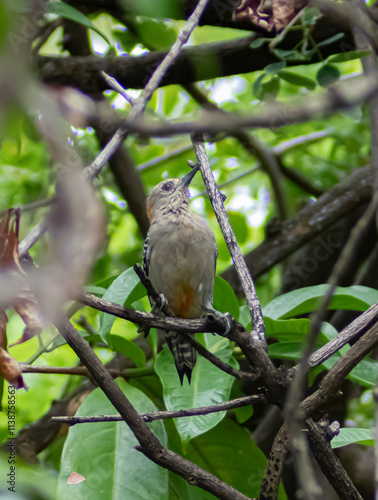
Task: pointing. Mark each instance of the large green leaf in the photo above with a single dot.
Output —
(305, 300)
(209, 386)
(125, 289)
(228, 452)
(69, 12)
(365, 373)
(352, 435)
(104, 454)
(225, 299)
(128, 349)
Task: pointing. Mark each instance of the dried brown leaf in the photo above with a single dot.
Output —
(10, 370)
(28, 310)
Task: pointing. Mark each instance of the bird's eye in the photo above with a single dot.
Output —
(167, 186)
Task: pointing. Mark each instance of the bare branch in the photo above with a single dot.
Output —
(345, 95)
(353, 330)
(82, 370)
(161, 415)
(319, 437)
(232, 244)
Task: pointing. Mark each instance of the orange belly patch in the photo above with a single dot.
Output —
(182, 303)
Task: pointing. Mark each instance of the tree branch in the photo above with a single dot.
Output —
(149, 444)
(231, 242)
(162, 415)
(233, 57)
(308, 223)
(319, 437)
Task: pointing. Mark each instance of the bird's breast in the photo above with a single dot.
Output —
(182, 265)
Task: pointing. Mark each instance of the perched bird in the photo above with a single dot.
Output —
(180, 256)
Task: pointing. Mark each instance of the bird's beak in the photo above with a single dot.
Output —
(185, 181)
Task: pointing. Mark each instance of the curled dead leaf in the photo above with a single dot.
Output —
(10, 370)
(27, 309)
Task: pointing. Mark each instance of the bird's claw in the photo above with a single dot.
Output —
(225, 317)
(161, 306)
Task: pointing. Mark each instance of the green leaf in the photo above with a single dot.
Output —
(155, 33)
(209, 386)
(266, 89)
(229, 452)
(349, 435)
(327, 75)
(331, 40)
(348, 56)
(286, 350)
(239, 225)
(95, 290)
(128, 349)
(290, 55)
(305, 300)
(275, 68)
(67, 11)
(296, 79)
(310, 15)
(243, 413)
(259, 42)
(365, 373)
(287, 329)
(225, 299)
(125, 289)
(125, 38)
(104, 454)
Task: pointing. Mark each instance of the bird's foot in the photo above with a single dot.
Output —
(159, 307)
(225, 317)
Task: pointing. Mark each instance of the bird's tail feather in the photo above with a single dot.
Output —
(184, 355)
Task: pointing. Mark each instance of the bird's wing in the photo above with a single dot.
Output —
(146, 254)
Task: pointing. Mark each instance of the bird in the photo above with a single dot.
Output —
(180, 254)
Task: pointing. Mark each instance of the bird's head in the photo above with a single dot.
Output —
(169, 195)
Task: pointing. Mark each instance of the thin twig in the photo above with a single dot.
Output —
(161, 160)
(83, 371)
(347, 94)
(230, 239)
(112, 82)
(353, 330)
(163, 415)
(302, 140)
(239, 374)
